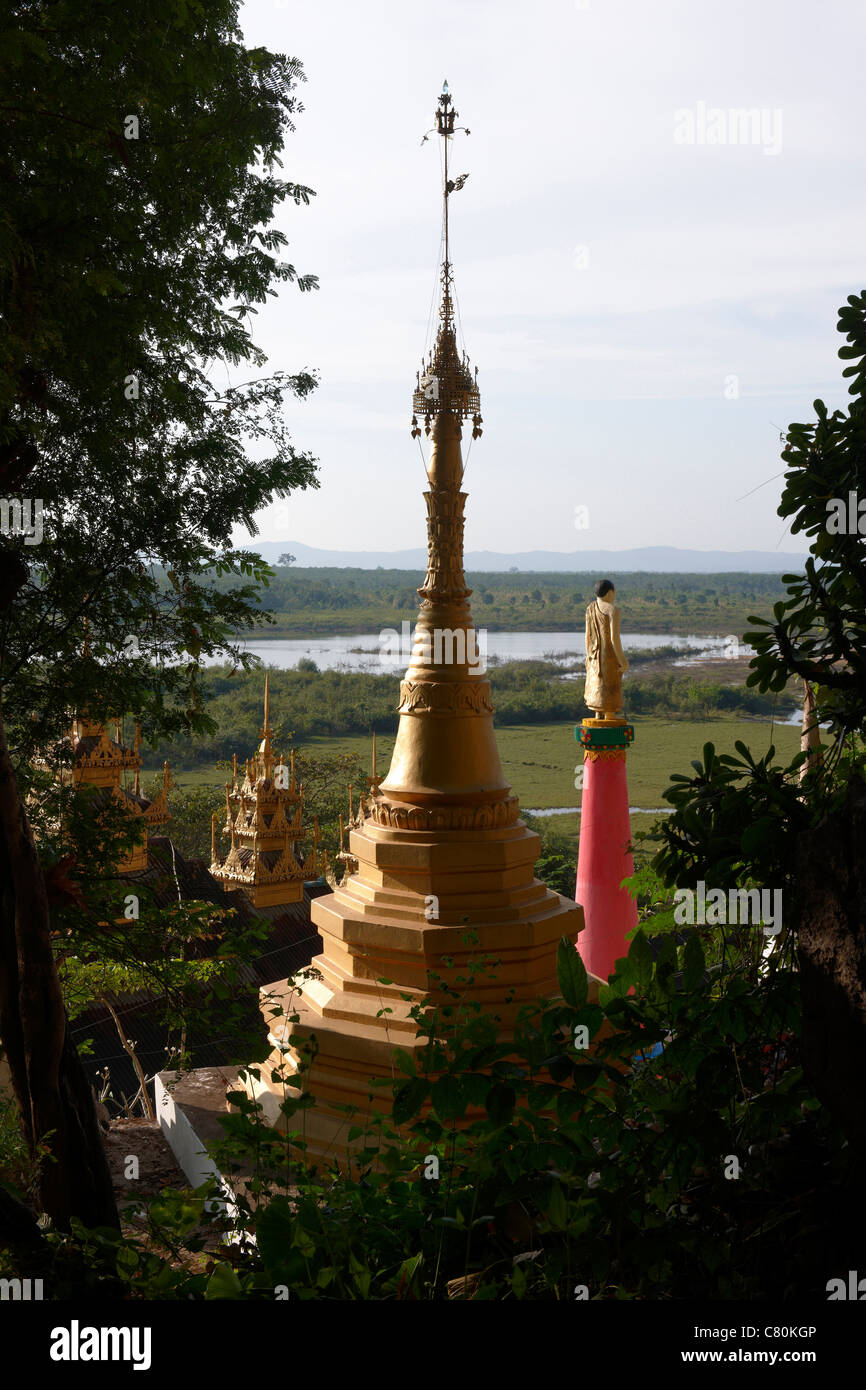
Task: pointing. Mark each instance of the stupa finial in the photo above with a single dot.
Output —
(265, 745)
(446, 384)
(373, 782)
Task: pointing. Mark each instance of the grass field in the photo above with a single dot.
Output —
(539, 760)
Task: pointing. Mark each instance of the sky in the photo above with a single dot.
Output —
(648, 283)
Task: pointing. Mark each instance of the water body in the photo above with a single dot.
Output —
(389, 654)
(712, 647)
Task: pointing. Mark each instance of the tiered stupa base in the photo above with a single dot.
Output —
(375, 928)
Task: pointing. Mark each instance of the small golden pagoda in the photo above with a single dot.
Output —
(441, 847)
(344, 857)
(354, 821)
(264, 823)
(99, 761)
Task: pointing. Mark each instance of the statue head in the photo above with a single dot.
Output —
(605, 590)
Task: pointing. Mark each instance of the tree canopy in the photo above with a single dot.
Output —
(142, 176)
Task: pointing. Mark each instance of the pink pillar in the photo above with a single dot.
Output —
(603, 857)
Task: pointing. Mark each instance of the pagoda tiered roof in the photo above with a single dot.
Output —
(264, 820)
(99, 761)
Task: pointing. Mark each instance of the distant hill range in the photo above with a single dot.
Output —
(658, 559)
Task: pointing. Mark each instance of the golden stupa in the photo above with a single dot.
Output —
(264, 823)
(441, 847)
(344, 857)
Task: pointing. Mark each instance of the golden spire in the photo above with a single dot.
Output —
(265, 745)
(375, 779)
(234, 772)
(445, 382)
(445, 748)
(342, 834)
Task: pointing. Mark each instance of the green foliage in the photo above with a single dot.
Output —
(327, 704)
(558, 871)
(816, 631)
(129, 269)
(325, 599)
(191, 810)
(141, 169)
(187, 956)
(17, 1171)
(558, 1165)
(737, 820)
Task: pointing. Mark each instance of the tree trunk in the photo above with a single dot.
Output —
(831, 945)
(130, 1051)
(55, 1100)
